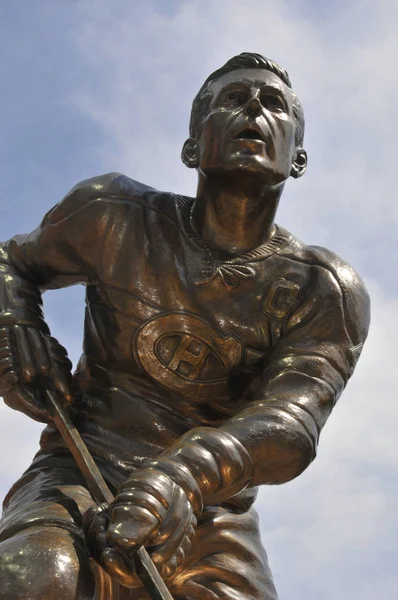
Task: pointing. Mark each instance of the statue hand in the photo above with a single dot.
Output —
(27, 358)
(150, 510)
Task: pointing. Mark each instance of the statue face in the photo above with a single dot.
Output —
(250, 127)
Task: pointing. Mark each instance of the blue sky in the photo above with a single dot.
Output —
(90, 86)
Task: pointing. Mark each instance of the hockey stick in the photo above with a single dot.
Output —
(99, 490)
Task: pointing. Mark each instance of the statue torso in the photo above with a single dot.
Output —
(173, 337)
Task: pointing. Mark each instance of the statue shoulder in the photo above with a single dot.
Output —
(335, 277)
(355, 296)
(110, 186)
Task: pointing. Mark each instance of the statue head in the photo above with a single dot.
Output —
(246, 117)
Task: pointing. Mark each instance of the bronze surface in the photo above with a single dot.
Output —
(216, 345)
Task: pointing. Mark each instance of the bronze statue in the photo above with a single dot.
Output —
(215, 347)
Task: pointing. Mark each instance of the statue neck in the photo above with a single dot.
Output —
(234, 219)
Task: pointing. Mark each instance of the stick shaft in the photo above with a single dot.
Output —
(99, 490)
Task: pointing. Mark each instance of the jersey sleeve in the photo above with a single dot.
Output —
(65, 249)
(308, 370)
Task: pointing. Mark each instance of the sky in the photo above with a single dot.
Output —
(92, 86)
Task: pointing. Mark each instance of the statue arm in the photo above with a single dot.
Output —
(60, 252)
(275, 437)
(66, 248)
(308, 371)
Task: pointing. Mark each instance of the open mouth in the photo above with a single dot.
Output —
(250, 134)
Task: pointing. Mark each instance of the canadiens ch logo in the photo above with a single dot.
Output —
(185, 354)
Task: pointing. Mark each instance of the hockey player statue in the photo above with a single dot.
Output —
(215, 347)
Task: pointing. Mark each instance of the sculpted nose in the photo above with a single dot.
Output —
(253, 107)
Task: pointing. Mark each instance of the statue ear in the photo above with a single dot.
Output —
(299, 165)
(189, 154)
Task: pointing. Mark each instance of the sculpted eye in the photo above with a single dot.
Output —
(272, 102)
(235, 97)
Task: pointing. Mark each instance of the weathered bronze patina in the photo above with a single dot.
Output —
(215, 347)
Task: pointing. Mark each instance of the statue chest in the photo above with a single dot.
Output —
(188, 329)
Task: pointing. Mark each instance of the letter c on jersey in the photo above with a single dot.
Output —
(280, 298)
(186, 355)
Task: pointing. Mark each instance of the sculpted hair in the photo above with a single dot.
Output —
(246, 60)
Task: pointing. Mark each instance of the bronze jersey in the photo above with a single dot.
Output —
(261, 344)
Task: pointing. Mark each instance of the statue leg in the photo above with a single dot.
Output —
(226, 560)
(42, 550)
(45, 563)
